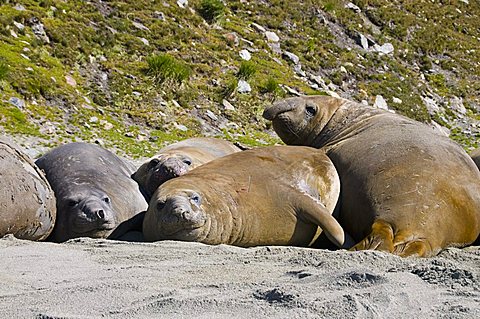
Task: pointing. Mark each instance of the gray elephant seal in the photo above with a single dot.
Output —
(93, 188)
(266, 196)
(27, 203)
(405, 189)
(176, 159)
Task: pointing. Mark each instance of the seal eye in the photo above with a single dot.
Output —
(196, 199)
(72, 202)
(154, 162)
(106, 200)
(160, 205)
(187, 161)
(310, 111)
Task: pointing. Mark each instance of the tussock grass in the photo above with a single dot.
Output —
(165, 68)
(211, 10)
(247, 70)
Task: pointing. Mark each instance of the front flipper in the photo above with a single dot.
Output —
(316, 213)
(133, 224)
(402, 243)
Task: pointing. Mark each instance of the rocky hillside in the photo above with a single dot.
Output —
(135, 75)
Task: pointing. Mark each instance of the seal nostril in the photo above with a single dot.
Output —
(101, 214)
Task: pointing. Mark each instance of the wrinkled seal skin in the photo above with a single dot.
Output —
(267, 196)
(93, 188)
(405, 189)
(27, 203)
(176, 159)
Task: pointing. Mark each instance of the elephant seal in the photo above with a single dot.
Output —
(27, 202)
(176, 159)
(93, 188)
(267, 196)
(405, 189)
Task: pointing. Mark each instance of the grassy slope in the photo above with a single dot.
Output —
(99, 44)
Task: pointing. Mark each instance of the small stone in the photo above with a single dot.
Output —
(430, 104)
(396, 100)
(93, 119)
(353, 7)
(275, 46)
(211, 115)
(227, 105)
(18, 25)
(343, 70)
(145, 41)
(19, 7)
(245, 55)
(175, 103)
(53, 79)
(15, 101)
(140, 26)
(129, 134)
(384, 49)
(232, 38)
(298, 69)
(380, 103)
(70, 80)
(182, 3)
(258, 27)
(13, 34)
(29, 69)
(293, 57)
(24, 56)
(137, 94)
(363, 41)
(456, 104)
(159, 15)
(272, 36)
(291, 90)
(243, 87)
(38, 30)
(180, 127)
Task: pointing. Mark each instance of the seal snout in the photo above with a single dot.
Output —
(181, 212)
(272, 111)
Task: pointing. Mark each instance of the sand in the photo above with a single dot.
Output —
(98, 278)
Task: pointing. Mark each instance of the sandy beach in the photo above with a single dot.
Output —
(91, 278)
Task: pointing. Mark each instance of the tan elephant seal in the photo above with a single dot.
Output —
(176, 159)
(94, 191)
(405, 189)
(266, 196)
(27, 203)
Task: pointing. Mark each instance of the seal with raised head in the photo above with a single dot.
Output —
(405, 189)
(176, 159)
(93, 188)
(27, 203)
(275, 195)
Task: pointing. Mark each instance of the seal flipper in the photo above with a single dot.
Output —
(316, 213)
(133, 224)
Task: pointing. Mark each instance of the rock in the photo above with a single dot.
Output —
(343, 70)
(70, 80)
(93, 119)
(430, 104)
(258, 27)
(298, 69)
(272, 36)
(140, 26)
(211, 115)
(396, 100)
(275, 46)
(18, 25)
(380, 103)
(19, 7)
(38, 29)
(180, 127)
(243, 87)
(440, 129)
(182, 3)
(384, 49)
(293, 57)
(24, 56)
(353, 7)
(245, 55)
(291, 90)
(227, 105)
(13, 34)
(145, 41)
(456, 104)
(159, 15)
(363, 41)
(15, 101)
(129, 134)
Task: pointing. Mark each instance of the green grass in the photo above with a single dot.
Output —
(211, 10)
(165, 68)
(3, 70)
(247, 70)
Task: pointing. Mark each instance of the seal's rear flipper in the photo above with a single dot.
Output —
(133, 224)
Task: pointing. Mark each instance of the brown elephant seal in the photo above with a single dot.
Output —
(27, 203)
(176, 159)
(266, 196)
(93, 188)
(405, 189)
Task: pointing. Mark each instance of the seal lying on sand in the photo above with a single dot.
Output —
(27, 203)
(405, 189)
(265, 196)
(176, 159)
(93, 188)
